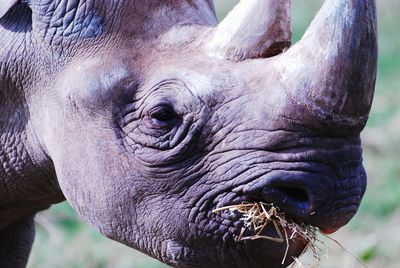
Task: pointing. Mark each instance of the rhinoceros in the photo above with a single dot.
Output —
(147, 116)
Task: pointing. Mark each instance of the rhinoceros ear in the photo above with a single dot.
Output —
(5, 6)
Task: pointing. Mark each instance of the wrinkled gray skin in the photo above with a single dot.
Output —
(114, 106)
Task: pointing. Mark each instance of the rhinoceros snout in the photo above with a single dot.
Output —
(325, 202)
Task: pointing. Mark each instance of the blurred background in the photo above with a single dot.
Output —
(63, 240)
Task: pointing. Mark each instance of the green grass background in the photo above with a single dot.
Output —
(63, 240)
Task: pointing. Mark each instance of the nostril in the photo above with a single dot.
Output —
(294, 201)
(295, 194)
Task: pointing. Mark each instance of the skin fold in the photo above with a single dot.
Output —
(124, 109)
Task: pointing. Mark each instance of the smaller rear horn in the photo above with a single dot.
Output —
(253, 29)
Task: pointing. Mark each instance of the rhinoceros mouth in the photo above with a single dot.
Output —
(274, 245)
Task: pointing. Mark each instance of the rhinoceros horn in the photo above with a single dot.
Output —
(331, 71)
(254, 28)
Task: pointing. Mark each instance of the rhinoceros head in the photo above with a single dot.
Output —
(153, 116)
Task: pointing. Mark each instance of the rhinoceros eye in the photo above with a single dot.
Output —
(163, 116)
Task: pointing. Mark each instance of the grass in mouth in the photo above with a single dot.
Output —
(257, 216)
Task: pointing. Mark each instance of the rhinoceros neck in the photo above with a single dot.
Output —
(27, 179)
